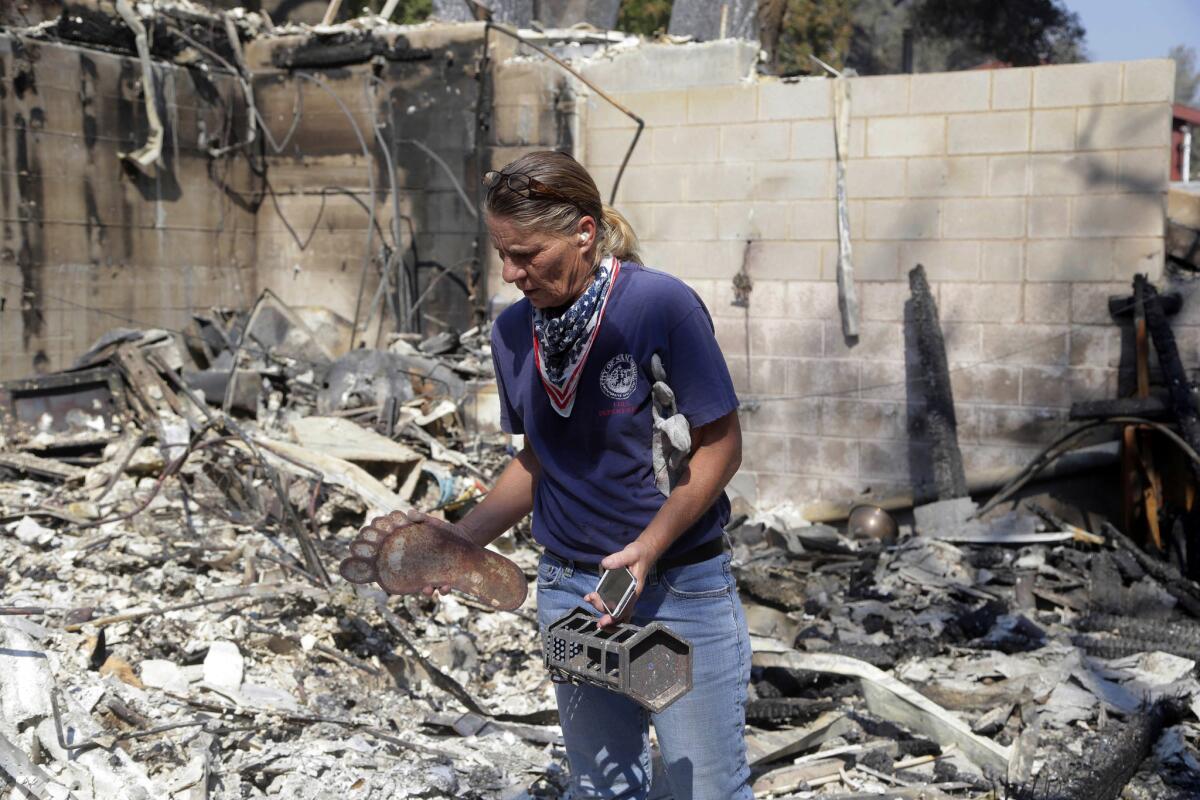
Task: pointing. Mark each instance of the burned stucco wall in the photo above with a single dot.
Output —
(1030, 196)
(87, 244)
(396, 133)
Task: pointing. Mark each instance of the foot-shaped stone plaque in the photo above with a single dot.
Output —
(403, 556)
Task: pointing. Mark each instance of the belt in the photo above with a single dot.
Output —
(703, 552)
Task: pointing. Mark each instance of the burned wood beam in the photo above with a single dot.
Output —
(342, 49)
(1149, 407)
(935, 460)
(1183, 402)
(1113, 758)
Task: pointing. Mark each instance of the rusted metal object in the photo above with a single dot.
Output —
(404, 556)
(872, 522)
(650, 665)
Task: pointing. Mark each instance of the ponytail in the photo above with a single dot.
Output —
(618, 239)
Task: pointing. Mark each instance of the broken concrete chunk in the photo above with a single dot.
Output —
(159, 673)
(224, 665)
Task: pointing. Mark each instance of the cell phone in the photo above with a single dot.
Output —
(616, 588)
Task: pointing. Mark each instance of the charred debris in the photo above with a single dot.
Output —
(171, 507)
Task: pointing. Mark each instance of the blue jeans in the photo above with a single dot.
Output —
(701, 735)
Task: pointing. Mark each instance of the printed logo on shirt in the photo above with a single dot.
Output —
(619, 377)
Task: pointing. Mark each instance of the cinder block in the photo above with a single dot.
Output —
(1058, 387)
(877, 341)
(997, 132)
(944, 261)
(731, 335)
(964, 176)
(687, 222)
(814, 219)
(1077, 85)
(774, 489)
(1008, 175)
(1047, 302)
(883, 300)
(719, 182)
(987, 383)
(862, 419)
(1131, 256)
(1151, 81)
(605, 148)
(814, 377)
(1144, 170)
(1089, 301)
(697, 258)
(792, 261)
(1026, 345)
(1049, 217)
(884, 460)
(763, 451)
(766, 298)
(880, 96)
(1125, 127)
(804, 99)
(1054, 129)
(756, 141)
(902, 219)
(722, 104)
(753, 221)
(823, 455)
(655, 108)
(813, 139)
(1011, 88)
(1069, 260)
(873, 261)
(883, 380)
(980, 302)
(792, 338)
(687, 145)
(784, 416)
(656, 184)
(1118, 215)
(812, 299)
(1074, 173)
(906, 136)
(983, 219)
(1095, 346)
(875, 177)
(949, 92)
(792, 180)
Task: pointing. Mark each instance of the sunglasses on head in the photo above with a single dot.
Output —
(524, 185)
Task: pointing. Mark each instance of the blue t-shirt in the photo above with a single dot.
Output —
(597, 492)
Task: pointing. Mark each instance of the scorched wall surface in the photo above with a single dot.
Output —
(87, 244)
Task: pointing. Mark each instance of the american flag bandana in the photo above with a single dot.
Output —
(561, 345)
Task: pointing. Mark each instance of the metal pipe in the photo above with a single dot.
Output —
(1185, 161)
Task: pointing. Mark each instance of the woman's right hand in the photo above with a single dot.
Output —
(418, 517)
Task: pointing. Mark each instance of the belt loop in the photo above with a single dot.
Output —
(568, 567)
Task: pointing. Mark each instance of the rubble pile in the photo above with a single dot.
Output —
(172, 625)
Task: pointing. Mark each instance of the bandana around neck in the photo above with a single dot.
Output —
(561, 344)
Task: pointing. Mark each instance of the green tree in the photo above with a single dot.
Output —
(1018, 32)
(821, 28)
(647, 17)
(1187, 74)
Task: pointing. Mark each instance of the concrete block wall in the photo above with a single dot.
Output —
(1029, 195)
(85, 243)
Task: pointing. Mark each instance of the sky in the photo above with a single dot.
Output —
(1120, 30)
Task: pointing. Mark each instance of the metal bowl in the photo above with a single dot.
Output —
(871, 522)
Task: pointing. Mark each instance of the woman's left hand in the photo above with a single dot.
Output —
(637, 556)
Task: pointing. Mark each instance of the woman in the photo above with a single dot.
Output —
(573, 364)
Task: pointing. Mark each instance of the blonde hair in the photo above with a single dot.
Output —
(576, 197)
